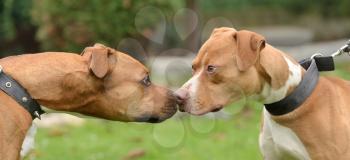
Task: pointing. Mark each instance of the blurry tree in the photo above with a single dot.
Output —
(313, 14)
(327, 8)
(70, 25)
(17, 34)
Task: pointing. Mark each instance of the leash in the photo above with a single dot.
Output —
(313, 65)
(12, 88)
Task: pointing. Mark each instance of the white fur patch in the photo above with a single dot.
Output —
(29, 141)
(192, 87)
(49, 120)
(270, 95)
(192, 84)
(278, 142)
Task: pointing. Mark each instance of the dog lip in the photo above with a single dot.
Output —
(181, 107)
(154, 120)
(185, 107)
(149, 119)
(171, 106)
(217, 108)
(199, 113)
(205, 111)
(180, 101)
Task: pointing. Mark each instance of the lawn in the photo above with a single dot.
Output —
(182, 137)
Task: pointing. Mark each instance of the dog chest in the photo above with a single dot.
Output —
(278, 142)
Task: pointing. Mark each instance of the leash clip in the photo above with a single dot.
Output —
(316, 55)
(342, 50)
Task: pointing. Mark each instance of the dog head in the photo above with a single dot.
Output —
(123, 89)
(229, 65)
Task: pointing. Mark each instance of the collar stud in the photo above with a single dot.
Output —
(8, 84)
(37, 115)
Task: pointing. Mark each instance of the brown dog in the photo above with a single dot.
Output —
(232, 64)
(102, 83)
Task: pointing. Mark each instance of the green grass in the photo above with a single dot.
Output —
(182, 137)
(342, 71)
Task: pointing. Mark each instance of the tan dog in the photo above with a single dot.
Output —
(232, 64)
(102, 83)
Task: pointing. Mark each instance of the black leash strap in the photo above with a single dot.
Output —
(306, 86)
(323, 63)
(12, 88)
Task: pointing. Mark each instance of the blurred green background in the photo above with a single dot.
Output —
(178, 138)
(148, 31)
(39, 25)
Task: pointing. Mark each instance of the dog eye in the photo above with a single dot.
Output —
(211, 69)
(146, 81)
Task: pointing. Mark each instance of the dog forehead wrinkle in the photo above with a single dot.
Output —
(221, 30)
(271, 95)
(206, 59)
(128, 59)
(125, 63)
(201, 53)
(197, 62)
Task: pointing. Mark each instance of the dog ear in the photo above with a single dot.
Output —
(249, 45)
(97, 57)
(269, 59)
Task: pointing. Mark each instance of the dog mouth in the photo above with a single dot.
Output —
(149, 119)
(153, 118)
(182, 108)
(170, 109)
(167, 111)
(199, 110)
(217, 108)
(157, 118)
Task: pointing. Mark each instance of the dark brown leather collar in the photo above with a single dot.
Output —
(12, 88)
(305, 88)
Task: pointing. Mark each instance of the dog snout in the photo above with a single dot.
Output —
(181, 96)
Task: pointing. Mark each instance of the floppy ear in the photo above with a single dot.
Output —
(249, 45)
(269, 59)
(97, 57)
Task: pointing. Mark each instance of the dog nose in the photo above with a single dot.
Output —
(181, 96)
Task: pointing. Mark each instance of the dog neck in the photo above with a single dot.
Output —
(56, 80)
(270, 93)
